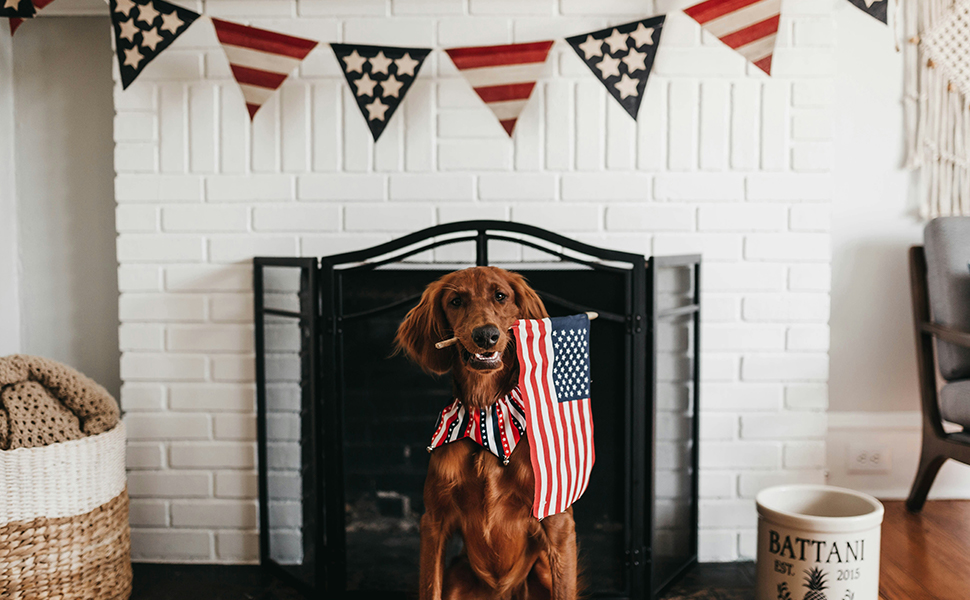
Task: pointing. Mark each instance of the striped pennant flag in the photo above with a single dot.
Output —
(554, 380)
(503, 76)
(748, 26)
(261, 60)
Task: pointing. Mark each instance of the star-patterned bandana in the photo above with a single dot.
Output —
(16, 8)
(875, 8)
(379, 77)
(497, 428)
(143, 29)
(621, 58)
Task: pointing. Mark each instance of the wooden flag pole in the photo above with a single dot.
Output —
(452, 341)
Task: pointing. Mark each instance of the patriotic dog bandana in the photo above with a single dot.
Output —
(497, 428)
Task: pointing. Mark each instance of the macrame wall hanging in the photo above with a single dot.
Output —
(937, 114)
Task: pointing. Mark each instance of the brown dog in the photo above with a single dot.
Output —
(508, 554)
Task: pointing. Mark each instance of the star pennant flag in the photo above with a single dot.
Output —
(379, 77)
(15, 23)
(876, 8)
(503, 76)
(143, 29)
(621, 58)
(554, 384)
(748, 26)
(24, 9)
(260, 60)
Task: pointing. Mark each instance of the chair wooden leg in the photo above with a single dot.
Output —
(929, 465)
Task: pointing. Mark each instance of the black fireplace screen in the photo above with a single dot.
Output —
(343, 423)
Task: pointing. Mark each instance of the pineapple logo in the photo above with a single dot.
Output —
(815, 582)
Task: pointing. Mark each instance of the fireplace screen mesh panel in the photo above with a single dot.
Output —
(344, 423)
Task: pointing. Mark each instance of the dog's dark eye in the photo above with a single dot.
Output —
(500, 296)
(455, 302)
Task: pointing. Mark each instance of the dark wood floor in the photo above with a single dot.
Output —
(924, 557)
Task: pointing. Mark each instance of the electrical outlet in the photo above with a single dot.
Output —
(869, 458)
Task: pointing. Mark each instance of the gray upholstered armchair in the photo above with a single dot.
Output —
(940, 281)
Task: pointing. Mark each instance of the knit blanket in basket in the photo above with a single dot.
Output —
(43, 402)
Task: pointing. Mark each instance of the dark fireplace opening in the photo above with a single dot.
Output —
(344, 423)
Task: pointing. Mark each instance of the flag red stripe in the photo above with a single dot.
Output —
(764, 64)
(500, 93)
(752, 33)
(712, 9)
(15, 23)
(39, 4)
(555, 432)
(535, 339)
(508, 125)
(495, 56)
(257, 77)
(234, 34)
(253, 109)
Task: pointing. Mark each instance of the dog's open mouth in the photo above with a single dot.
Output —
(483, 360)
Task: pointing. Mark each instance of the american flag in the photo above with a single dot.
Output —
(497, 428)
(748, 26)
(503, 76)
(260, 60)
(554, 381)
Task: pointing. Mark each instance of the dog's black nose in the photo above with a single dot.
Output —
(486, 336)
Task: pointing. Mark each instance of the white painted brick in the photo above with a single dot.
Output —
(203, 127)
(348, 8)
(134, 127)
(392, 32)
(810, 278)
(158, 248)
(717, 545)
(387, 217)
(471, 155)
(784, 426)
(649, 217)
(529, 132)
(231, 307)
(785, 367)
(725, 338)
(727, 513)
(683, 120)
(620, 138)
(138, 278)
(234, 129)
(220, 455)
(161, 307)
(140, 96)
(135, 157)
(750, 484)
(467, 212)
(237, 546)
(212, 397)
(740, 455)
(473, 32)
(429, 188)
(606, 186)
(603, 7)
(788, 246)
(512, 7)
(812, 156)
(170, 544)
(209, 338)
(744, 217)
(295, 126)
(812, 126)
(558, 126)
(740, 396)
(296, 218)
(326, 113)
(719, 367)
(341, 187)
(172, 117)
(652, 127)
(148, 513)
(590, 111)
(748, 544)
(808, 337)
(204, 218)
(717, 484)
(158, 188)
(698, 62)
(813, 93)
(712, 246)
(699, 186)
(235, 427)
(774, 125)
(720, 308)
(786, 308)
(517, 186)
(419, 139)
(136, 219)
(140, 337)
(249, 188)
(244, 248)
(802, 62)
(804, 455)
(326, 245)
(204, 278)
(746, 103)
(169, 484)
(715, 133)
(236, 484)
(214, 513)
(235, 368)
(249, 8)
(807, 396)
(718, 427)
(137, 397)
(143, 456)
(810, 217)
(167, 427)
(558, 217)
(728, 277)
(143, 366)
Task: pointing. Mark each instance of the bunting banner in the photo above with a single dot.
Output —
(379, 77)
(503, 76)
(621, 58)
(260, 60)
(22, 9)
(748, 26)
(15, 23)
(143, 30)
(878, 9)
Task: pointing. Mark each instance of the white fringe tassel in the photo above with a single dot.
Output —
(937, 120)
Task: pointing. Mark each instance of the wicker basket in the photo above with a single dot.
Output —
(64, 521)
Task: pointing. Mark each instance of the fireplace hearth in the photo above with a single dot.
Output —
(343, 424)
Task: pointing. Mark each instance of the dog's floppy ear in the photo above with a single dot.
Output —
(422, 328)
(529, 303)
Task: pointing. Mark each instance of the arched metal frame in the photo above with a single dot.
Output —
(322, 317)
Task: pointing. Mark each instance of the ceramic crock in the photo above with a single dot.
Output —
(818, 542)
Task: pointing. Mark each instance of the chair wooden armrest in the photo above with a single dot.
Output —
(947, 334)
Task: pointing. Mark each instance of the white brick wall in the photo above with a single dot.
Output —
(722, 161)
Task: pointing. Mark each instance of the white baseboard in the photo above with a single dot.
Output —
(901, 433)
